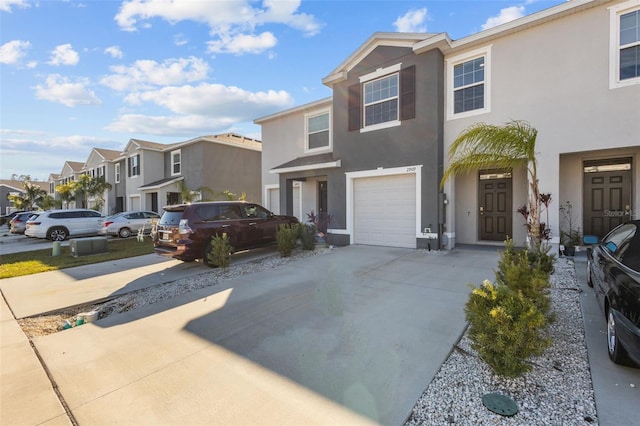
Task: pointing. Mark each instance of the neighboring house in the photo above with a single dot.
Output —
(155, 174)
(14, 187)
(102, 163)
(70, 172)
(372, 155)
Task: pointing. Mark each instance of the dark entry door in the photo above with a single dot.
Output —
(322, 196)
(495, 199)
(607, 195)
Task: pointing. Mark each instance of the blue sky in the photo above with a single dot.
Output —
(75, 75)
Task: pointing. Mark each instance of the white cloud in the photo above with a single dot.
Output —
(64, 55)
(145, 74)
(6, 5)
(180, 39)
(231, 23)
(507, 14)
(243, 43)
(201, 109)
(214, 100)
(412, 22)
(61, 89)
(12, 51)
(114, 51)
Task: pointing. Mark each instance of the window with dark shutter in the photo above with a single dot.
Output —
(354, 107)
(408, 93)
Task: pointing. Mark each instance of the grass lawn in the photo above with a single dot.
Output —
(33, 262)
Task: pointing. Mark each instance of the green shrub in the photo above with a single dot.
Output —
(219, 251)
(520, 274)
(308, 234)
(286, 239)
(506, 328)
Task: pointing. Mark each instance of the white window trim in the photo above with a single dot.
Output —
(139, 165)
(350, 200)
(329, 147)
(614, 43)
(465, 57)
(172, 163)
(117, 173)
(380, 72)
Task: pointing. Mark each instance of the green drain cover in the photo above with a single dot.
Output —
(500, 404)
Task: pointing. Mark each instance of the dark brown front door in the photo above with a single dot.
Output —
(607, 195)
(495, 199)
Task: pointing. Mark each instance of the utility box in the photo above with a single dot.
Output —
(86, 246)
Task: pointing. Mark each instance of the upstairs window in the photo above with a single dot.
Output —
(176, 162)
(318, 131)
(624, 38)
(383, 98)
(117, 172)
(134, 165)
(468, 84)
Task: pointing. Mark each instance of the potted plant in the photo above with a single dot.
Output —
(570, 237)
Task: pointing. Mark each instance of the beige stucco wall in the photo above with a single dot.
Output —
(283, 139)
(555, 76)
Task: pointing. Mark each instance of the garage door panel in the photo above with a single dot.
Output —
(384, 210)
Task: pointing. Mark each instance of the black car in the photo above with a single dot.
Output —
(613, 269)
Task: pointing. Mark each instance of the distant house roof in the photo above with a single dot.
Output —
(76, 166)
(16, 185)
(108, 154)
(311, 162)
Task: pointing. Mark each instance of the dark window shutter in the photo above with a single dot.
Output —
(354, 107)
(408, 93)
(129, 166)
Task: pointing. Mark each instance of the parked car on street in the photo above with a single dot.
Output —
(126, 224)
(613, 269)
(6, 218)
(58, 225)
(185, 230)
(19, 222)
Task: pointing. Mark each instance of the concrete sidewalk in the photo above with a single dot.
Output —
(347, 337)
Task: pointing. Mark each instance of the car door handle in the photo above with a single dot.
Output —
(225, 226)
(253, 223)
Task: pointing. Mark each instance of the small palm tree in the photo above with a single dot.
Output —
(489, 146)
(66, 192)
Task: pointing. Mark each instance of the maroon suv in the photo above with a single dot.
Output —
(185, 230)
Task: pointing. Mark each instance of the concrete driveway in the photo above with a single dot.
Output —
(352, 336)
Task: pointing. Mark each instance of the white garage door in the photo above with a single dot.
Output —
(385, 210)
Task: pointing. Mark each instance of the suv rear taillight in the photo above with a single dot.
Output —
(183, 227)
(106, 224)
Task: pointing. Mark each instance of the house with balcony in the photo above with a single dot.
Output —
(372, 155)
(149, 175)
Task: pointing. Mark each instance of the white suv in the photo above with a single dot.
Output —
(58, 225)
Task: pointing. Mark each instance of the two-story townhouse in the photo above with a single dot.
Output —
(101, 163)
(70, 172)
(573, 72)
(401, 99)
(156, 174)
(371, 156)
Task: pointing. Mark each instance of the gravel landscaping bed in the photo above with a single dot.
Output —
(557, 391)
(43, 325)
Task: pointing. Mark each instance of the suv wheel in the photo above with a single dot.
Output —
(57, 234)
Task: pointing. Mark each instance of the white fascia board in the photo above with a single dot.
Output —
(329, 165)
